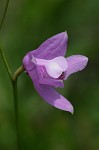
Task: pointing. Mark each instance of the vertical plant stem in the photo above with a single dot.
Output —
(13, 79)
(4, 14)
(1, 51)
(15, 95)
(14, 84)
(5, 63)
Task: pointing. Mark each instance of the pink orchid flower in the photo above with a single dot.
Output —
(48, 68)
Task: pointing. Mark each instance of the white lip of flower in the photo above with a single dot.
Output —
(54, 67)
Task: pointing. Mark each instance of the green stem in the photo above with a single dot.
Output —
(5, 63)
(14, 85)
(13, 79)
(4, 14)
(17, 73)
(1, 51)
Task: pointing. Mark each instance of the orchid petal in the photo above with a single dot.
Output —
(61, 61)
(53, 98)
(52, 47)
(44, 78)
(51, 82)
(27, 63)
(75, 63)
(50, 95)
(54, 70)
(54, 67)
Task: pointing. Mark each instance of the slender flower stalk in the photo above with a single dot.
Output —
(5, 63)
(17, 73)
(13, 78)
(1, 51)
(14, 84)
(4, 14)
(15, 95)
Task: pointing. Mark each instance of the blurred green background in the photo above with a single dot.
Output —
(27, 24)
